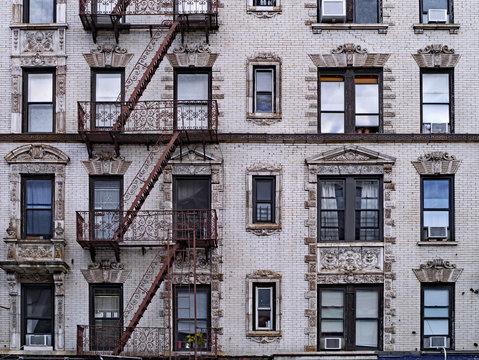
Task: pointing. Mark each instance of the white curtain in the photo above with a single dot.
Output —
(329, 218)
(369, 201)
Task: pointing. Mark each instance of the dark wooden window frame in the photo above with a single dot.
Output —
(93, 73)
(349, 314)
(449, 71)
(24, 207)
(349, 206)
(348, 75)
(350, 15)
(450, 11)
(272, 179)
(189, 177)
(25, 103)
(94, 178)
(26, 11)
(207, 289)
(195, 70)
(273, 304)
(25, 286)
(438, 286)
(451, 205)
(273, 93)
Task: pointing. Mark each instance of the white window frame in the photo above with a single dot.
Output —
(270, 308)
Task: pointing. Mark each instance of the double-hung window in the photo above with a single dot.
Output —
(437, 201)
(351, 11)
(264, 300)
(350, 209)
(107, 94)
(106, 304)
(39, 11)
(264, 194)
(37, 314)
(264, 85)
(436, 11)
(105, 203)
(437, 316)
(37, 206)
(437, 101)
(350, 317)
(350, 101)
(38, 100)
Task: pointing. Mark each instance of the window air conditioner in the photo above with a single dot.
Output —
(38, 340)
(333, 11)
(437, 232)
(438, 341)
(332, 343)
(439, 128)
(437, 16)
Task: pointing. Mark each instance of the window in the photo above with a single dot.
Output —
(105, 201)
(264, 300)
(38, 100)
(351, 11)
(185, 317)
(264, 2)
(37, 314)
(107, 92)
(350, 317)
(350, 101)
(436, 11)
(106, 304)
(264, 89)
(192, 96)
(437, 316)
(39, 11)
(437, 106)
(37, 206)
(350, 209)
(437, 208)
(264, 199)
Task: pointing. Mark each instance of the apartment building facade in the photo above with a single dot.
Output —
(239, 178)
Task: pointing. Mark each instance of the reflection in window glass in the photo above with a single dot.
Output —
(41, 11)
(38, 207)
(435, 102)
(366, 11)
(332, 104)
(436, 312)
(40, 102)
(436, 202)
(264, 90)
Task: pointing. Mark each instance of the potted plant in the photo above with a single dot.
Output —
(359, 130)
(366, 131)
(200, 340)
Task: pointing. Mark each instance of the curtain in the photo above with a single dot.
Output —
(369, 201)
(329, 219)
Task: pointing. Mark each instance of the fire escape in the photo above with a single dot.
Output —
(163, 126)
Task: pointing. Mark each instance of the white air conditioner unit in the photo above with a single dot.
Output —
(437, 232)
(439, 128)
(437, 16)
(38, 340)
(438, 341)
(333, 11)
(332, 343)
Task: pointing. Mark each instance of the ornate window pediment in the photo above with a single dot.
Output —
(194, 157)
(192, 56)
(436, 163)
(349, 55)
(44, 154)
(108, 55)
(105, 272)
(351, 154)
(107, 163)
(437, 270)
(436, 56)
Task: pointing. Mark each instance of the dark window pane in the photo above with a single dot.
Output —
(263, 190)
(263, 212)
(39, 326)
(41, 11)
(264, 103)
(264, 297)
(436, 194)
(38, 302)
(434, 4)
(38, 194)
(39, 222)
(366, 11)
(264, 3)
(192, 194)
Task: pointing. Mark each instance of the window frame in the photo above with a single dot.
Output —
(271, 69)
(349, 315)
(272, 202)
(93, 179)
(256, 309)
(350, 12)
(350, 207)
(450, 12)
(24, 318)
(24, 179)
(93, 80)
(439, 286)
(450, 178)
(450, 72)
(26, 12)
(26, 71)
(348, 75)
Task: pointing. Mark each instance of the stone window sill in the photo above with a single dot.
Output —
(26, 26)
(264, 118)
(419, 28)
(437, 243)
(264, 333)
(381, 28)
(263, 229)
(351, 244)
(264, 8)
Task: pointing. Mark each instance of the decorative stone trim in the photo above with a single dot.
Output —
(436, 56)
(263, 12)
(105, 272)
(453, 28)
(269, 60)
(436, 163)
(318, 27)
(346, 263)
(108, 56)
(37, 154)
(437, 270)
(349, 55)
(106, 163)
(263, 276)
(260, 169)
(192, 55)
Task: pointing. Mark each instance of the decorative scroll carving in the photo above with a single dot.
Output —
(350, 55)
(264, 274)
(437, 270)
(436, 55)
(192, 55)
(108, 55)
(349, 260)
(194, 156)
(351, 154)
(265, 339)
(106, 163)
(35, 252)
(350, 279)
(263, 14)
(265, 56)
(262, 167)
(38, 41)
(37, 154)
(105, 272)
(39, 60)
(436, 162)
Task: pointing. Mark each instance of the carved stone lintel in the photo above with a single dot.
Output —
(350, 279)
(264, 274)
(436, 49)
(437, 270)
(192, 55)
(106, 163)
(349, 49)
(349, 55)
(263, 167)
(436, 55)
(108, 55)
(264, 56)
(264, 231)
(436, 162)
(263, 121)
(40, 153)
(351, 154)
(105, 272)
(350, 260)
